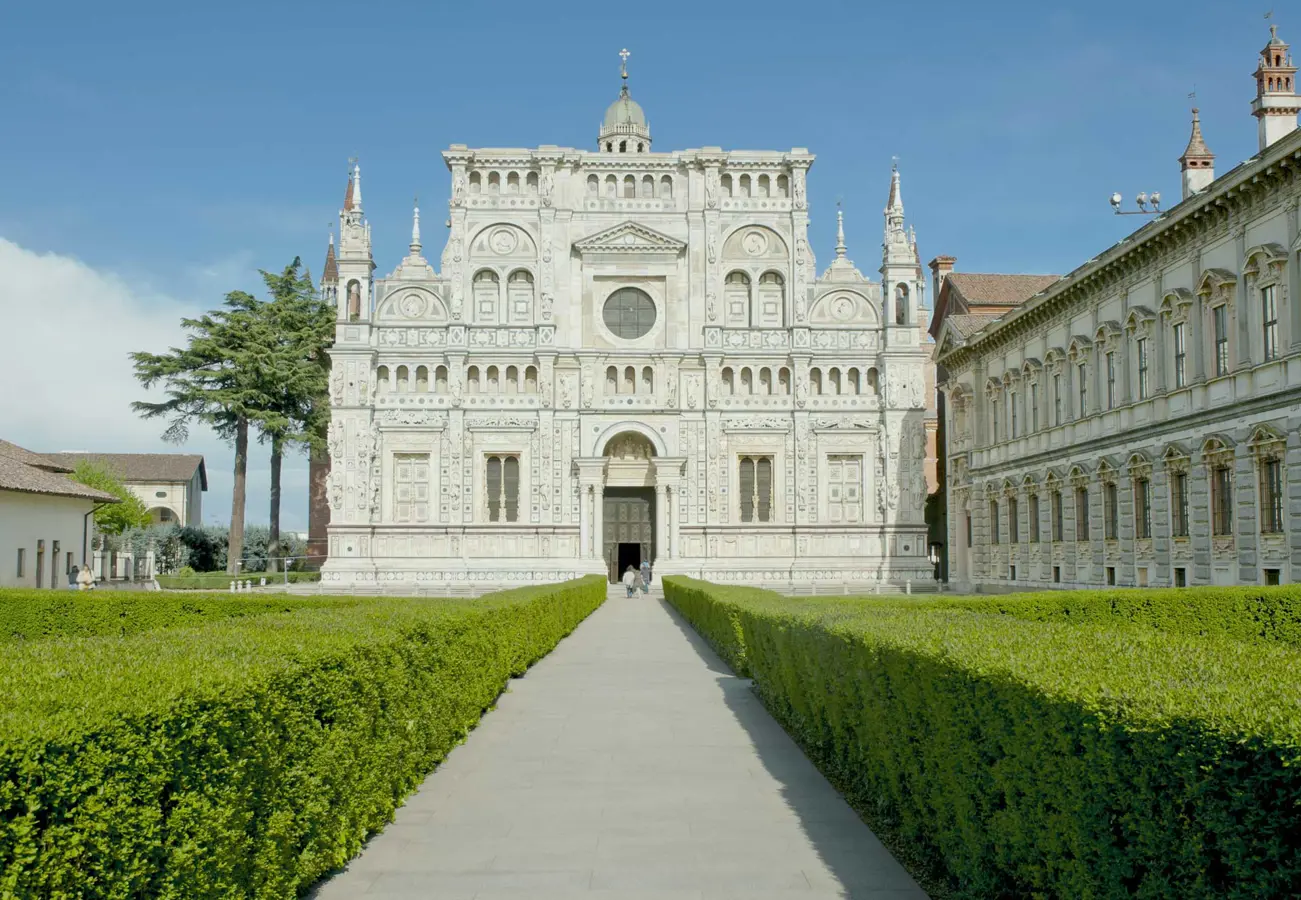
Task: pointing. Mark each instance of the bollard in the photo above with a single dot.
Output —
(876, 588)
(248, 585)
(232, 587)
(908, 586)
(262, 582)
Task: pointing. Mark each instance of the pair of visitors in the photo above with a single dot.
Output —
(85, 579)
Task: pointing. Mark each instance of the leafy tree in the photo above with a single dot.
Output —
(112, 518)
(218, 379)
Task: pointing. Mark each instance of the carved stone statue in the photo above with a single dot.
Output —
(458, 189)
(799, 189)
(711, 188)
(354, 300)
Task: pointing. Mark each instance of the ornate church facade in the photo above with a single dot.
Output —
(625, 355)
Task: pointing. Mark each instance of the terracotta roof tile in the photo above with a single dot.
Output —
(997, 290)
(28, 458)
(173, 467)
(31, 478)
(968, 324)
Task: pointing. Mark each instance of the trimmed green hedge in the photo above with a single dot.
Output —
(247, 757)
(220, 581)
(1245, 613)
(27, 614)
(1037, 759)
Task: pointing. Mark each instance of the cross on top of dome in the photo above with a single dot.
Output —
(624, 129)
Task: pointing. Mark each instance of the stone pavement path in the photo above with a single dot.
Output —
(632, 764)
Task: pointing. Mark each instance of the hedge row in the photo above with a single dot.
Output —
(248, 757)
(219, 581)
(1251, 613)
(1037, 759)
(27, 614)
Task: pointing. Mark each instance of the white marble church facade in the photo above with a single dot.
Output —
(626, 355)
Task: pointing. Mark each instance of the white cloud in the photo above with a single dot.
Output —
(69, 381)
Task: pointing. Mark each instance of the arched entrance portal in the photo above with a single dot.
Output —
(628, 511)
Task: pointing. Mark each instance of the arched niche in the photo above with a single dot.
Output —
(756, 243)
(502, 241)
(408, 304)
(848, 308)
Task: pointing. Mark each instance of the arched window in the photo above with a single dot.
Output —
(476, 183)
(623, 146)
(666, 187)
(745, 185)
(611, 186)
(901, 305)
(519, 288)
(404, 375)
(647, 380)
(440, 380)
(783, 186)
(833, 381)
(765, 381)
(747, 381)
(647, 187)
(422, 379)
(593, 186)
(640, 146)
(494, 182)
(770, 305)
(763, 185)
(512, 183)
(815, 381)
(873, 382)
(354, 300)
(502, 484)
(729, 387)
(494, 380)
(486, 294)
(726, 184)
(609, 146)
(784, 380)
(512, 380)
(611, 381)
(736, 299)
(382, 384)
(532, 182)
(629, 380)
(629, 187)
(531, 380)
(472, 385)
(851, 381)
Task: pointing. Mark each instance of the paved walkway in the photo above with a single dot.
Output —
(632, 764)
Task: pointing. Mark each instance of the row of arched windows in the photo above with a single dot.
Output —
(627, 381)
(760, 186)
(832, 382)
(400, 380)
(493, 183)
(494, 380)
(630, 188)
(749, 382)
(743, 306)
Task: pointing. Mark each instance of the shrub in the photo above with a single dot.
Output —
(246, 758)
(1037, 759)
(219, 581)
(33, 615)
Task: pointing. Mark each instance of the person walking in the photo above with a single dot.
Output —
(637, 583)
(645, 576)
(628, 578)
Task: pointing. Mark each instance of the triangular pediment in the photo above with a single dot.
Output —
(629, 237)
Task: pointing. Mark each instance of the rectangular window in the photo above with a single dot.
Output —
(1272, 576)
(1013, 521)
(1011, 573)
(503, 488)
(1142, 368)
(1034, 408)
(756, 488)
(1181, 357)
(22, 562)
(40, 562)
(1111, 380)
(1082, 376)
(1179, 504)
(968, 529)
(1221, 317)
(1271, 496)
(1011, 413)
(1111, 575)
(993, 409)
(1142, 508)
(993, 521)
(1111, 512)
(1057, 399)
(1081, 514)
(1269, 322)
(1057, 574)
(1056, 503)
(845, 489)
(1222, 500)
(1181, 577)
(410, 487)
(1033, 533)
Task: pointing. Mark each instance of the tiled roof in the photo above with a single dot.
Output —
(170, 467)
(997, 290)
(23, 470)
(968, 324)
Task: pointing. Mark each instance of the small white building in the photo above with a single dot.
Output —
(45, 519)
(171, 485)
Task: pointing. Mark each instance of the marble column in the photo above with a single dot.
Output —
(661, 520)
(598, 521)
(584, 522)
(675, 511)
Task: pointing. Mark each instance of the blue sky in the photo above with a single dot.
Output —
(156, 155)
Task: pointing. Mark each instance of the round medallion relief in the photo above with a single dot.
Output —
(413, 306)
(503, 241)
(842, 308)
(755, 243)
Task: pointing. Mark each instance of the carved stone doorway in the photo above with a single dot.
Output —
(628, 518)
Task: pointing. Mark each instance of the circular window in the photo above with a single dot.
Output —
(629, 313)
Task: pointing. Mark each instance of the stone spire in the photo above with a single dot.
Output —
(331, 270)
(840, 232)
(1197, 164)
(415, 229)
(894, 205)
(353, 200)
(1276, 104)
